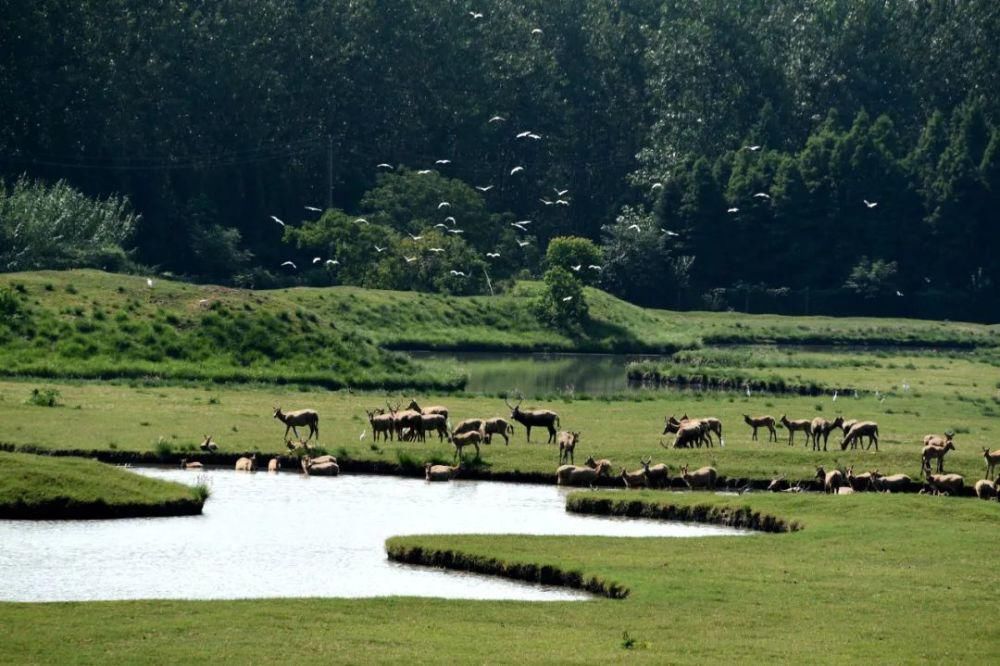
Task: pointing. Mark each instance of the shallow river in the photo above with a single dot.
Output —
(287, 535)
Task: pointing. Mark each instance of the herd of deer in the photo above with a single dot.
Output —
(414, 423)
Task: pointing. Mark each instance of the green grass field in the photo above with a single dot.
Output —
(40, 486)
(898, 579)
(869, 577)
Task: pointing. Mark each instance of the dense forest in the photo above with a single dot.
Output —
(835, 156)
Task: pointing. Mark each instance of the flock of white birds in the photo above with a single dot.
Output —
(521, 224)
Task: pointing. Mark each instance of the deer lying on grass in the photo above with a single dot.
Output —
(471, 438)
(542, 418)
(832, 480)
(194, 464)
(321, 466)
(794, 426)
(381, 424)
(209, 445)
(300, 417)
(860, 482)
(861, 429)
(761, 422)
(434, 409)
(894, 483)
(573, 475)
(703, 477)
(441, 472)
(245, 464)
(603, 464)
(992, 460)
(942, 484)
(986, 489)
(499, 426)
(636, 479)
(567, 445)
(820, 427)
(931, 452)
(657, 476)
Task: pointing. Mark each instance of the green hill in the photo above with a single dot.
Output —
(89, 324)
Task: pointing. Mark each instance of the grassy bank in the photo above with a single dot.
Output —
(854, 584)
(41, 487)
(89, 324)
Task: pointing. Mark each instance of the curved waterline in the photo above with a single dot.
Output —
(288, 535)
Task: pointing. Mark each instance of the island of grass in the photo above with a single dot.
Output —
(34, 487)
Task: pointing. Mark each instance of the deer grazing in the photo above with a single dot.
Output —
(208, 445)
(499, 426)
(930, 452)
(704, 427)
(689, 434)
(861, 429)
(761, 422)
(859, 440)
(820, 427)
(992, 460)
(794, 426)
(301, 417)
(381, 424)
(542, 418)
(567, 445)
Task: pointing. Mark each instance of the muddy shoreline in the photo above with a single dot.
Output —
(62, 509)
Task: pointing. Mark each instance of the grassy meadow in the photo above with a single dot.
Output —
(898, 579)
(869, 577)
(908, 395)
(42, 486)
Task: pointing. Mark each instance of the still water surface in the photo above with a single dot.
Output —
(287, 535)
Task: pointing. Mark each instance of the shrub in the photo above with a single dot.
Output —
(46, 397)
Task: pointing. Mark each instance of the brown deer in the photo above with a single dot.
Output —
(761, 422)
(408, 418)
(543, 418)
(301, 417)
(499, 426)
(820, 427)
(434, 409)
(381, 424)
(992, 460)
(567, 445)
(794, 426)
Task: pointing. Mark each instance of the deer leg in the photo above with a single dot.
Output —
(774, 433)
(478, 456)
(527, 429)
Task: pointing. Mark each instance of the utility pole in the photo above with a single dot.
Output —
(329, 171)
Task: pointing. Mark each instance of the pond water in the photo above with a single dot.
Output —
(288, 535)
(532, 374)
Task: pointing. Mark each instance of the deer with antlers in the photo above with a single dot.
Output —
(542, 418)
